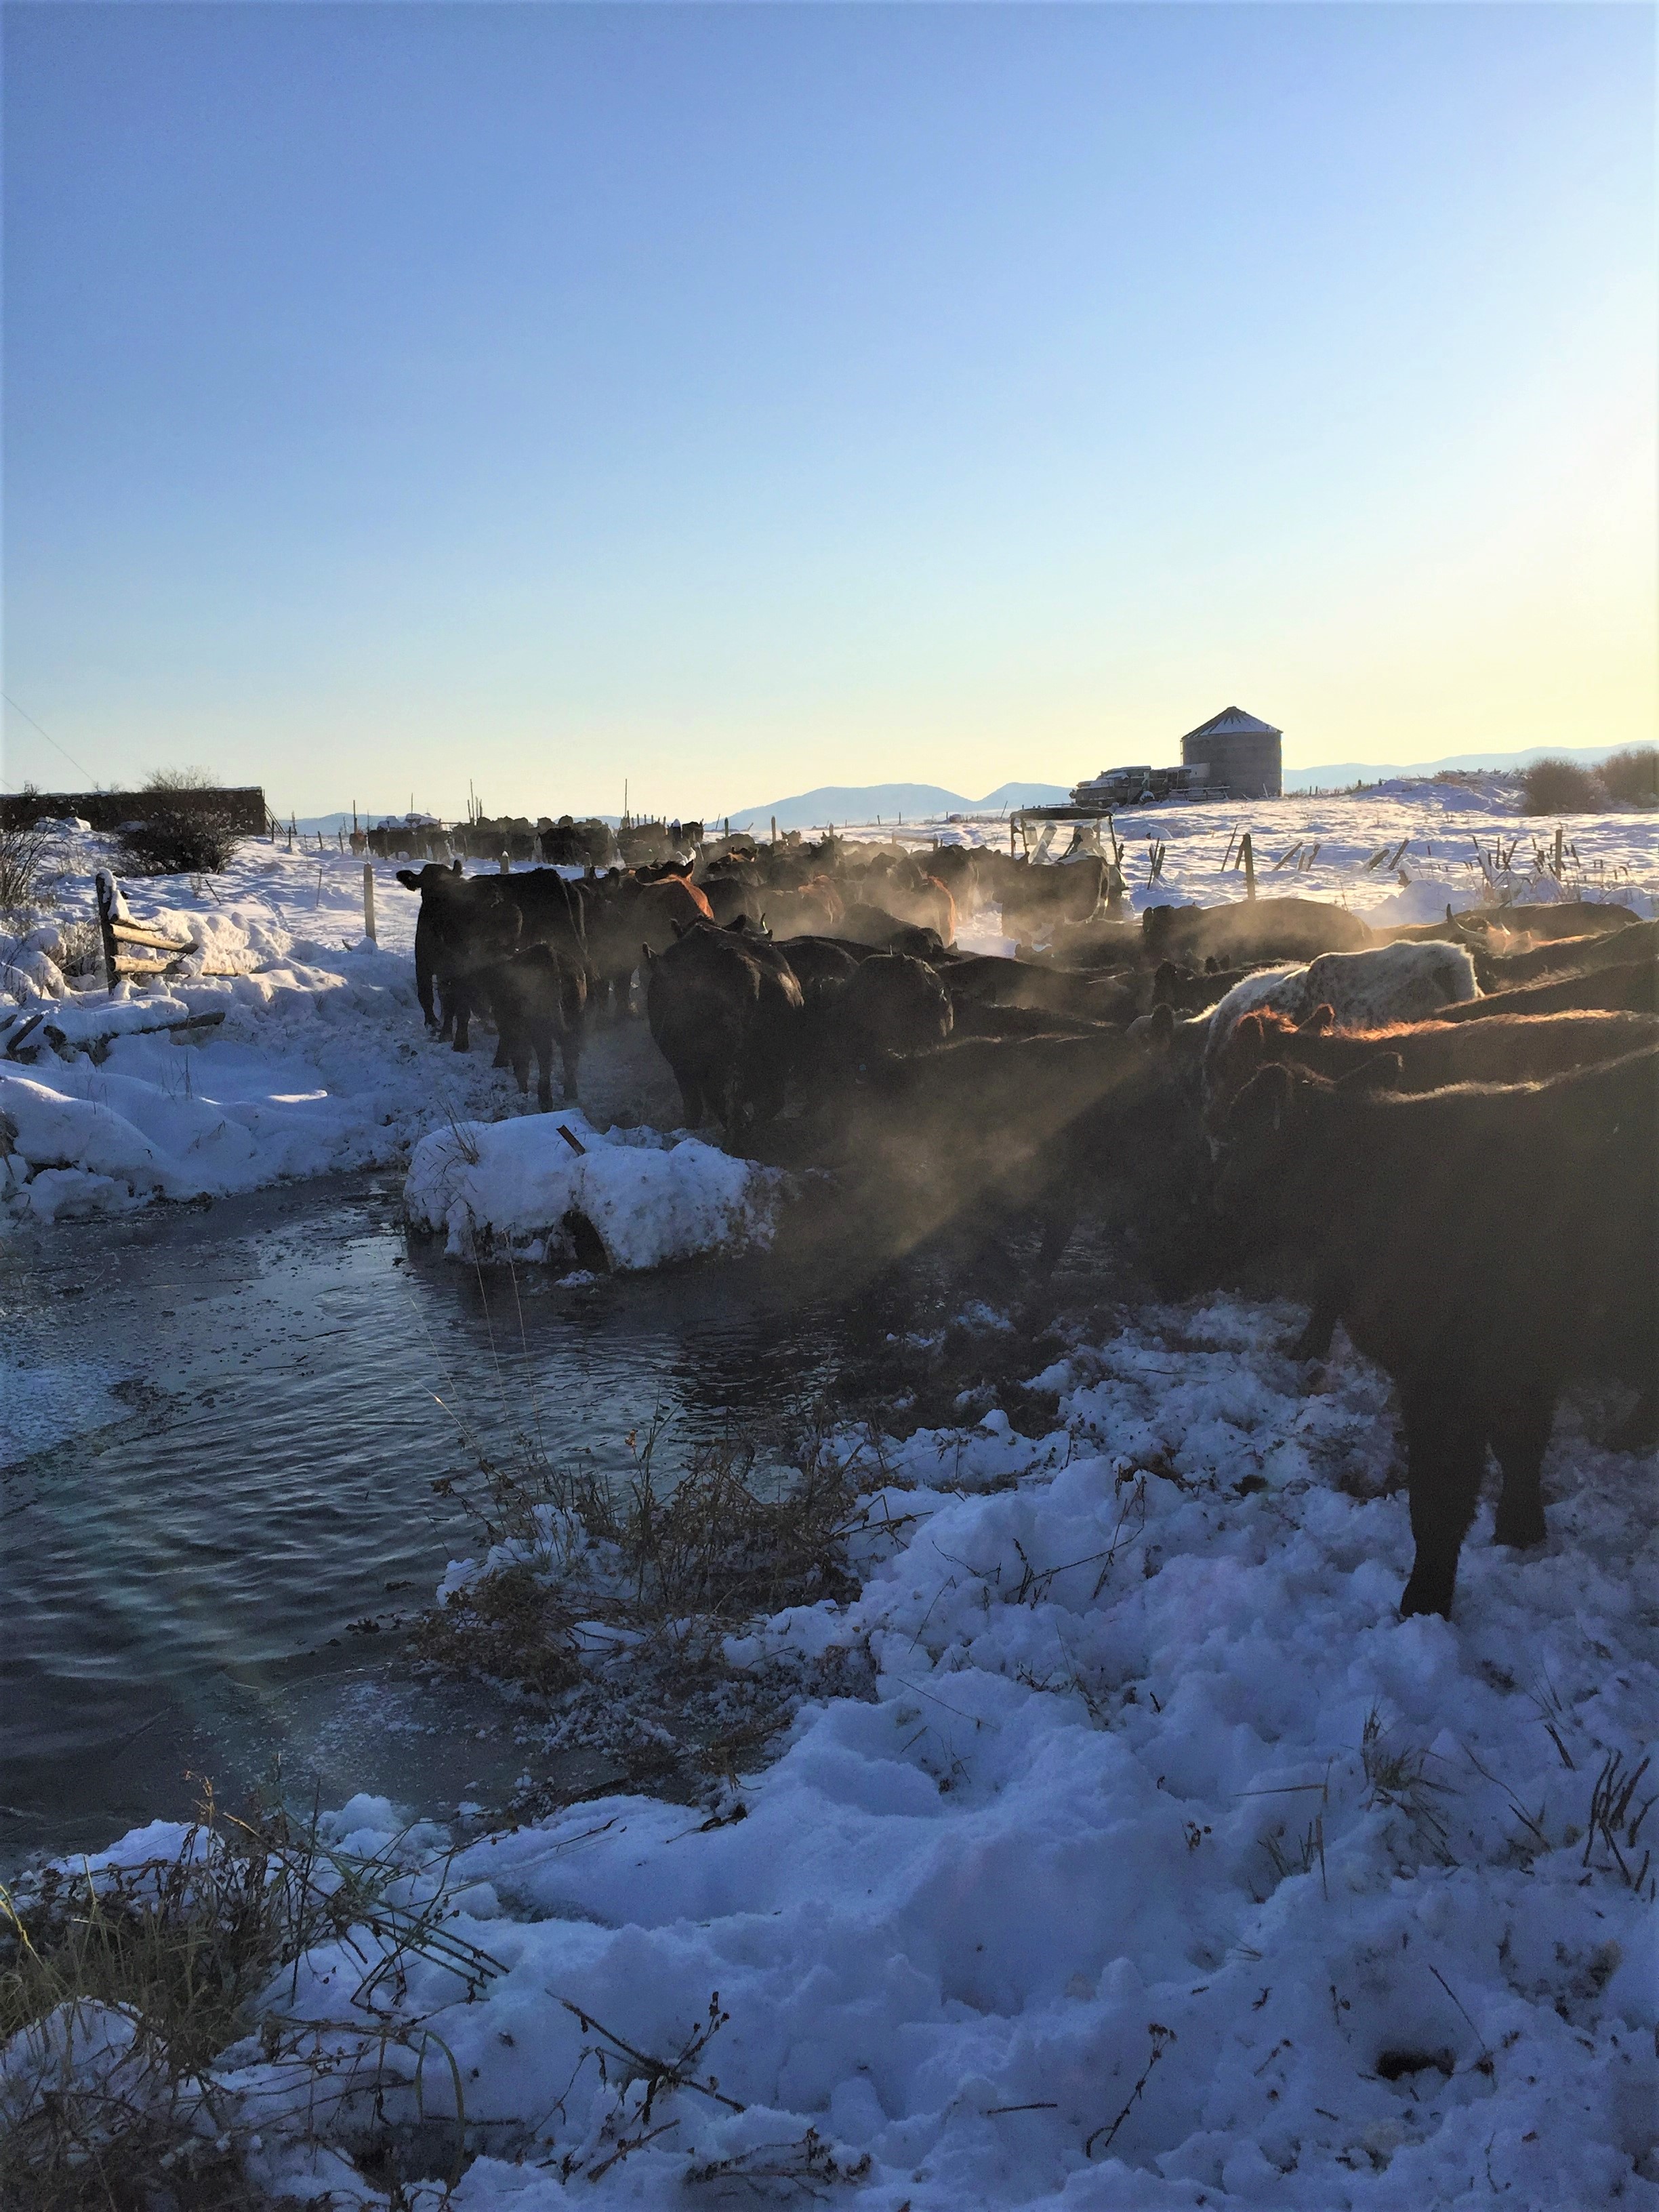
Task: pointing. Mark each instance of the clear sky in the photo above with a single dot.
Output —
(737, 399)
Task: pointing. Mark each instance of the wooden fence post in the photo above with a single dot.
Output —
(368, 902)
(106, 917)
(1247, 854)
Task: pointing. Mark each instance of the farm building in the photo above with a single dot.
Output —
(1236, 752)
(1231, 755)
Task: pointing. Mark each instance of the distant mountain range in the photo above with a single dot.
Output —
(1334, 773)
(914, 802)
(867, 802)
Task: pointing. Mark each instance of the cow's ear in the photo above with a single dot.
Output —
(408, 878)
(1163, 984)
(1159, 1032)
(647, 958)
(1248, 1045)
(1319, 1023)
(1264, 1105)
(455, 867)
(1381, 1073)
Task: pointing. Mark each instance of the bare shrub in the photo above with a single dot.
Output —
(181, 779)
(23, 859)
(615, 1607)
(83, 951)
(179, 840)
(1562, 787)
(1632, 775)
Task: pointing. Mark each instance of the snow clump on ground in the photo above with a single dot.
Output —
(647, 1197)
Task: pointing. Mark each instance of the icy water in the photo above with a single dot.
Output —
(218, 1438)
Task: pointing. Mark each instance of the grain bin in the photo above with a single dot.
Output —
(1238, 752)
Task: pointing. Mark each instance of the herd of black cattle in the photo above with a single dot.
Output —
(1442, 1136)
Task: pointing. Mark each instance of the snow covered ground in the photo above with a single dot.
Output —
(1454, 845)
(320, 1062)
(1166, 1867)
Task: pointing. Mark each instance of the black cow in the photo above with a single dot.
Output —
(985, 1129)
(723, 1006)
(1627, 987)
(888, 1004)
(1565, 918)
(435, 886)
(538, 996)
(465, 926)
(1250, 932)
(1391, 1201)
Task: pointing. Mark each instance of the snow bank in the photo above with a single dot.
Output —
(650, 1198)
(317, 1060)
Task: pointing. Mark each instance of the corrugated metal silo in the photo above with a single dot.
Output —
(1239, 752)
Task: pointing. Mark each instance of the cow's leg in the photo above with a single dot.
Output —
(690, 1100)
(461, 999)
(1059, 1213)
(735, 1110)
(542, 1033)
(762, 1090)
(1520, 1436)
(1445, 1458)
(1314, 1341)
(1639, 1429)
(424, 982)
(573, 1021)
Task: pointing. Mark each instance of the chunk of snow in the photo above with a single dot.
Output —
(649, 1198)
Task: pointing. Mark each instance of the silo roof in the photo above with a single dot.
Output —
(1233, 722)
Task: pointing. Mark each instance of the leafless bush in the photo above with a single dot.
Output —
(179, 840)
(22, 858)
(1562, 787)
(181, 779)
(1633, 775)
(83, 946)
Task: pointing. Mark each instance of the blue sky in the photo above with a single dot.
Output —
(742, 399)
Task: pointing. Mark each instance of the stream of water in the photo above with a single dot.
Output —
(219, 1430)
